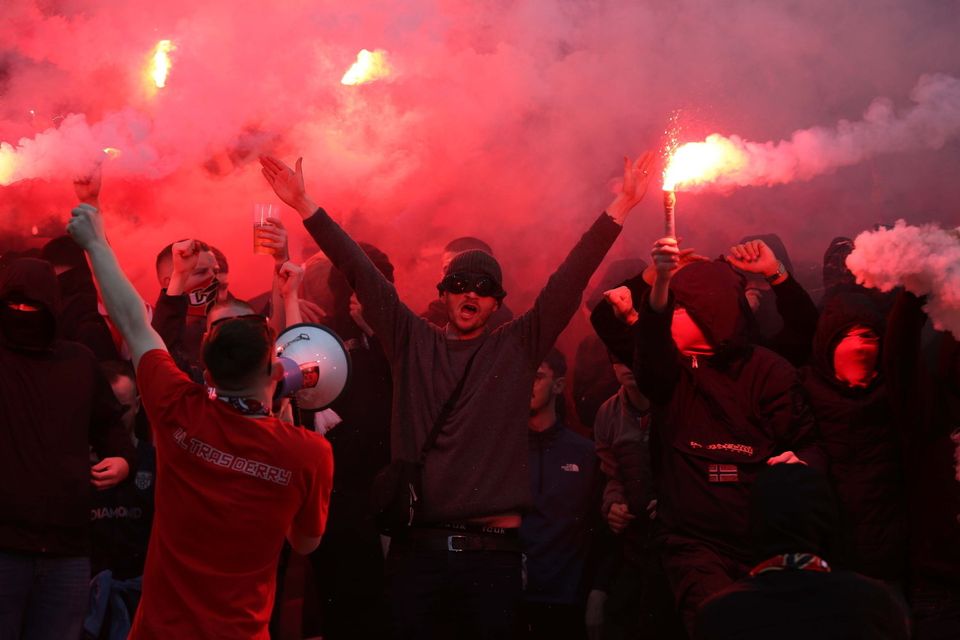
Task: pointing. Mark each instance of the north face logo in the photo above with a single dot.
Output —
(570, 466)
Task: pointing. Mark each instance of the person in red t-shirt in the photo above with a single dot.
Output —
(232, 481)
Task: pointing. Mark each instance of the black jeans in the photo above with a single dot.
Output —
(42, 597)
(452, 594)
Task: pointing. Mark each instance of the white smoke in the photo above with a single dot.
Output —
(75, 147)
(929, 124)
(925, 260)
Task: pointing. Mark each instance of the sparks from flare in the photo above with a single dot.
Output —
(112, 152)
(369, 67)
(160, 63)
(697, 163)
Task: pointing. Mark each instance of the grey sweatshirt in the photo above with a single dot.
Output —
(478, 466)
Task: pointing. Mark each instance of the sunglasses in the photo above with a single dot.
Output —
(484, 286)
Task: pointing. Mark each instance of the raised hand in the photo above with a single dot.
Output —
(621, 299)
(186, 255)
(636, 179)
(287, 183)
(666, 257)
(754, 257)
(86, 226)
(87, 187)
(273, 236)
(289, 278)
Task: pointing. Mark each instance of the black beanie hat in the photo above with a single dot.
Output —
(477, 262)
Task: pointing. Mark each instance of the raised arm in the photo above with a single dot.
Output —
(656, 364)
(909, 384)
(122, 301)
(287, 283)
(388, 317)
(795, 340)
(559, 299)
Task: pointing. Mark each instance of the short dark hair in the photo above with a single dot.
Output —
(234, 352)
(231, 302)
(221, 259)
(557, 362)
(467, 243)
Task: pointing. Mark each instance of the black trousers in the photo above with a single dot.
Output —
(452, 594)
(543, 621)
(348, 573)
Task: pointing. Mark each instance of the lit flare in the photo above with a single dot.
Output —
(160, 63)
(369, 67)
(696, 163)
(8, 164)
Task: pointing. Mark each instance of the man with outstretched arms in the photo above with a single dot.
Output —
(461, 560)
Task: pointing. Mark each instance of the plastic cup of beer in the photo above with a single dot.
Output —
(261, 214)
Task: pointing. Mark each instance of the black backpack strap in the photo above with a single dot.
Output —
(446, 410)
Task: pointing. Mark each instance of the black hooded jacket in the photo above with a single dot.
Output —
(860, 439)
(54, 404)
(927, 410)
(716, 419)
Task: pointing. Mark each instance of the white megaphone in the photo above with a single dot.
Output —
(316, 365)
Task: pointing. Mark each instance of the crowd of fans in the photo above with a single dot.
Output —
(743, 461)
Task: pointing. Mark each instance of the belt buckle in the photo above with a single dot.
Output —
(450, 543)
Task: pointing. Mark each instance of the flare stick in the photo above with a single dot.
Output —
(669, 219)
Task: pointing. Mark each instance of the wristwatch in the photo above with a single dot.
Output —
(779, 273)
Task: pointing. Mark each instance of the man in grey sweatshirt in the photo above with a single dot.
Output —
(475, 480)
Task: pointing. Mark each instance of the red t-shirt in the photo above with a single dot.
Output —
(228, 488)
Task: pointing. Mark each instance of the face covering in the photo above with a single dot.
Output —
(199, 300)
(28, 330)
(855, 358)
(687, 335)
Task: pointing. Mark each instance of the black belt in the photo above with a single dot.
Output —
(445, 539)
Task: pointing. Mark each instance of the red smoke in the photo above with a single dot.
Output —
(503, 120)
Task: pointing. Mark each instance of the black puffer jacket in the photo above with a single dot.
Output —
(863, 449)
(717, 419)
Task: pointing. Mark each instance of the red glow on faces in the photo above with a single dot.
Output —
(855, 357)
(687, 335)
(468, 313)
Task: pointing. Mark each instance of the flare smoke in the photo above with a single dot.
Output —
(929, 124)
(923, 259)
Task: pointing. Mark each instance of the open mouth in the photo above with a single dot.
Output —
(469, 309)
